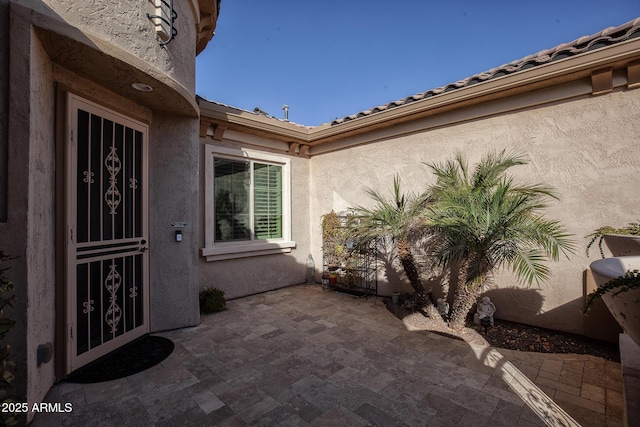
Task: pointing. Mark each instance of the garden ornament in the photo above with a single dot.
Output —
(485, 310)
(443, 307)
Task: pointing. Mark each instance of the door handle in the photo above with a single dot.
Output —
(143, 249)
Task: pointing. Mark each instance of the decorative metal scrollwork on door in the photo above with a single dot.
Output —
(112, 284)
(109, 283)
(112, 196)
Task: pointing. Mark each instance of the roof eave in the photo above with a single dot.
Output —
(540, 76)
(208, 12)
(252, 123)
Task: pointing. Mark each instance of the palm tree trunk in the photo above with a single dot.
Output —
(409, 265)
(465, 297)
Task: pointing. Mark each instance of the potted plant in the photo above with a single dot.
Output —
(351, 266)
(624, 241)
(333, 277)
(331, 225)
(395, 297)
(333, 240)
(331, 233)
(619, 288)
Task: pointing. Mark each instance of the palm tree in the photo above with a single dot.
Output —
(483, 221)
(395, 218)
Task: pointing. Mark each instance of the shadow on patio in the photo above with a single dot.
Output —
(304, 356)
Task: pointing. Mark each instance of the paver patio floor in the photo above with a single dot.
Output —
(303, 356)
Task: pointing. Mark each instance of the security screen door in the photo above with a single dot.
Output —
(107, 257)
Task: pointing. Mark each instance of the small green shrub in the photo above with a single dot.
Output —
(212, 300)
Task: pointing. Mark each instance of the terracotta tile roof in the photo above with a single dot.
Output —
(607, 37)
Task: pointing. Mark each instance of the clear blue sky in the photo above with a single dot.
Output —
(332, 58)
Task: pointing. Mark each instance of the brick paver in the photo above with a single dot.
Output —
(303, 356)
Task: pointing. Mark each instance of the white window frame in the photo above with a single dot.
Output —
(217, 251)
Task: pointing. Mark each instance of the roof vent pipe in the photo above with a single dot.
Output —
(285, 107)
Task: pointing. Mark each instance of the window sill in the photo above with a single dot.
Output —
(245, 250)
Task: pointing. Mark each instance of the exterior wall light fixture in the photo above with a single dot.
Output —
(163, 20)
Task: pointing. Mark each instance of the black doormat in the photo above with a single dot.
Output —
(356, 292)
(134, 357)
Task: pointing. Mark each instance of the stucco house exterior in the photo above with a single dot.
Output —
(97, 175)
(108, 163)
(573, 109)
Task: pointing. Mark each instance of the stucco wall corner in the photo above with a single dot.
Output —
(41, 254)
(173, 198)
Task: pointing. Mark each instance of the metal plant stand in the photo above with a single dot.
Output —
(354, 270)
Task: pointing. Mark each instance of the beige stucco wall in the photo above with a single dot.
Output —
(588, 149)
(29, 231)
(124, 24)
(36, 289)
(173, 196)
(173, 150)
(174, 178)
(40, 250)
(246, 276)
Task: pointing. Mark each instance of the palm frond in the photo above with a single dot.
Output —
(489, 221)
(394, 217)
(540, 191)
(529, 266)
(493, 166)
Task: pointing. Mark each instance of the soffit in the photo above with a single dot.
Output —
(209, 12)
(116, 70)
(256, 124)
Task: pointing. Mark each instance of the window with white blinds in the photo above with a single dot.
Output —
(267, 201)
(247, 204)
(248, 200)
